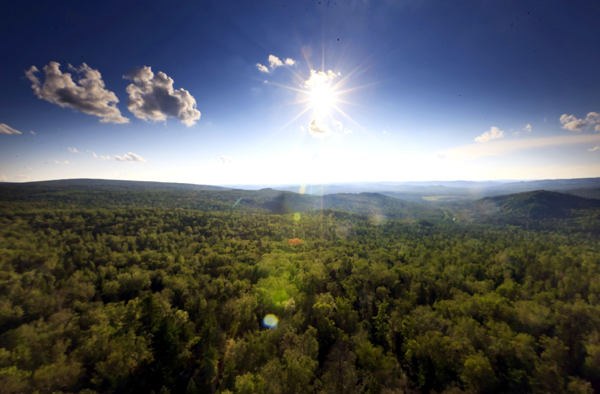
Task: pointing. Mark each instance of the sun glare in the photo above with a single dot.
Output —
(322, 99)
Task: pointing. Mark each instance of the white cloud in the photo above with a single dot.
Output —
(527, 128)
(152, 97)
(597, 147)
(32, 132)
(385, 132)
(87, 94)
(274, 61)
(496, 148)
(597, 128)
(493, 134)
(570, 122)
(73, 150)
(347, 131)
(316, 128)
(97, 156)
(61, 162)
(319, 78)
(226, 160)
(338, 124)
(262, 68)
(6, 129)
(129, 157)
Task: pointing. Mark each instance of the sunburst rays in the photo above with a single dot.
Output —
(319, 94)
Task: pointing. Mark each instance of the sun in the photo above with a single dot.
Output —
(322, 99)
(321, 95)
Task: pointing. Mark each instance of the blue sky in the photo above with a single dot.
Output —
(418, 90)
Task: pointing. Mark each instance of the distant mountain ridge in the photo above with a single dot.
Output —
(89, 184)
(535, 205)
(129, 194)
(416, 190)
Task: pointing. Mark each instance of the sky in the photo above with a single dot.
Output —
(299, 92)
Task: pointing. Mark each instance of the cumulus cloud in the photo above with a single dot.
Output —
(347, 131)
(152, 97)
(32, 132)
(129, 157)
(96, 156)
(73, 150)
(595, 148)
(226, 160)
(86, 94)
(275, 62)
(570, 122)
(527, 128)
(315, 127)
(262, 68)
(319, 78)
(6, 129)
(493, 134)
(61, 162)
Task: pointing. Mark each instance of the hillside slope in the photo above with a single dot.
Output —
(121, 194)
(536, 205)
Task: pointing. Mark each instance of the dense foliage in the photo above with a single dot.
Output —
(56, 195)
(171, 300)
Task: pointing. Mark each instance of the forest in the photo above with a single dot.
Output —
(225, 291)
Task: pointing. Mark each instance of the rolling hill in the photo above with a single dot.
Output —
(536, 205)
(128, 194)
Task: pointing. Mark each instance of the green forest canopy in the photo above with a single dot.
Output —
(141, 291)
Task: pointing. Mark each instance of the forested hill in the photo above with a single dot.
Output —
(109, 194)
(99, 185)
(156, 300)
(536, 205)
(115, 291)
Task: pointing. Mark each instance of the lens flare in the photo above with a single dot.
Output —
(270, 321)
(321, 93)
(237, 202)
